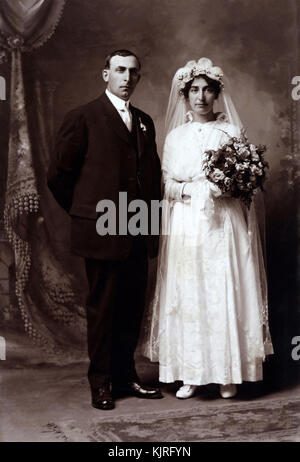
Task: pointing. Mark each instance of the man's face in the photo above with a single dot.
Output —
(122, 76)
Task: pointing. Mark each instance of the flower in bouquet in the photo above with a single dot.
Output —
(237, 166)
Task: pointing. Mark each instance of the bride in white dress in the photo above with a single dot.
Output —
(209, 316)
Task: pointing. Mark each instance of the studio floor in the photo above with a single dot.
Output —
(42, 402)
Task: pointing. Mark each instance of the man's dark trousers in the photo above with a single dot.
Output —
(114, 313)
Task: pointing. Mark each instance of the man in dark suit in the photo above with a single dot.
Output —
(103, 148)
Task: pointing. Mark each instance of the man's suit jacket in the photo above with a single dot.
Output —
(96, 157)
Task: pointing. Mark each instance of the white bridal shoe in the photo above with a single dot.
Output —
(228, 391)
(186, 391)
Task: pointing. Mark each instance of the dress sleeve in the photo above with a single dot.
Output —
(173, 188)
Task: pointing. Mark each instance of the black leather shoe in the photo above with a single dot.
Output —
(102, 398)
(140, 391)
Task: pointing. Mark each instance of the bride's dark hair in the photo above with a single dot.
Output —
(211, 82)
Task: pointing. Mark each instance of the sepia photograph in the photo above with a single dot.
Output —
(149, 223)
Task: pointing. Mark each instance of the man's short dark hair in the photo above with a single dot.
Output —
(120, 53)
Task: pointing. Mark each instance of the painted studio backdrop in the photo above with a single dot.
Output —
(52, 53)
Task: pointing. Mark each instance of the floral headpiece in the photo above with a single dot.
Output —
(193, 69)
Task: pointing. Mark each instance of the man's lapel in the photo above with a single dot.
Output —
(139, 132)
(114, 119)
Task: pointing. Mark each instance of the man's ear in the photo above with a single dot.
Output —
(105, 74)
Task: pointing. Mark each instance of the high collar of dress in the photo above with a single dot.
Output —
(219, 117)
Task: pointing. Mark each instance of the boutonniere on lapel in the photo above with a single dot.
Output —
(142, 126)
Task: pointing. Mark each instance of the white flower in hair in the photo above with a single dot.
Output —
(205, 63)
(193, 69)
(216, 71)
(191, 64)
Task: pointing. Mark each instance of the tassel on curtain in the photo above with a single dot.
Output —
(22, 197)
(44, 291)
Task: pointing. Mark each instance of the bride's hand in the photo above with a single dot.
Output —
(186, 191)
(215, 190)
(190, 189)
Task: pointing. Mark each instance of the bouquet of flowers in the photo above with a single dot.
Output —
(237, 167)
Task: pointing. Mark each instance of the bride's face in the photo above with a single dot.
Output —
(201, 96)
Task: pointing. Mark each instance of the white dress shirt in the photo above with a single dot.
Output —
(122, 108)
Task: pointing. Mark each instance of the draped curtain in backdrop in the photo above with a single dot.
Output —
(52, 313)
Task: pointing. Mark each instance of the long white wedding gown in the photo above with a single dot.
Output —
(208, 320)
